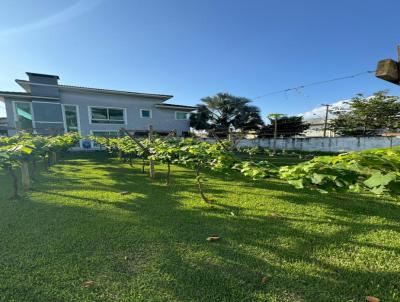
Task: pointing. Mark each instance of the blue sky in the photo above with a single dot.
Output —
(193, 49)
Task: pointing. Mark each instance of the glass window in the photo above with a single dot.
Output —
(181, 115)
(99, 113)
(116, 114)
(71, 118)
(107, 116)
(24, 115)
(145, 113)
(106, 133)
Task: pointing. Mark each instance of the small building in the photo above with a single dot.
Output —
(47, 107)
(391, 134)
(316, 129)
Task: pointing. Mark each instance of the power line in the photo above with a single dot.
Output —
(313, 84)
(304, 86)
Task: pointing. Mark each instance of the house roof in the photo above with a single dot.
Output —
(26, 85)
(173, 106)
(13, 93)
(24, 95)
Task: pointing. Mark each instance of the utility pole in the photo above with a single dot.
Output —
(326, 118)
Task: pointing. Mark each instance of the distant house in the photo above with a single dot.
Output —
(316, 129)
(391, 134)
(316, 119)
(46, 107)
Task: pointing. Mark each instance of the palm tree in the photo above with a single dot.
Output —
(222, 111)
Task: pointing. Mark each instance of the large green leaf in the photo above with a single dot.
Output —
(297, 183)
(379, 179)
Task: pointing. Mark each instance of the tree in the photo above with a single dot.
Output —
(367, 115)
(286, 126)
(222, 111)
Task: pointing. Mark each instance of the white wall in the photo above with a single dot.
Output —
(328, 144)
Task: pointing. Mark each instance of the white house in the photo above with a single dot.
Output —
(46, 107)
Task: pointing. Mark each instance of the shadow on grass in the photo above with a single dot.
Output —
(164, 241)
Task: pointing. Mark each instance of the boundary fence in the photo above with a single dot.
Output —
(327, 144)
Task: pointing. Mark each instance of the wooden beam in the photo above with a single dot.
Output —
(219, 141)
(388, 70)
(151, 162)
(135, 140)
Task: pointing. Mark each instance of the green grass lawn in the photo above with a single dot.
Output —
(150, 245)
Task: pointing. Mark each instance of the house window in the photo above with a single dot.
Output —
(100, 115)
(71, 118)
(109, 134)
(181, 115)
(145, 113)
(23, 113)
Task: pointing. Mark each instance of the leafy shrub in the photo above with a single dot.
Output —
(376, 170)
(256, 170)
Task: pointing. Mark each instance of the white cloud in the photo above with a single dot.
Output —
(70, 12)
(319, 112)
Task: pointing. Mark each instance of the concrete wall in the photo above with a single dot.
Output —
(332, 144)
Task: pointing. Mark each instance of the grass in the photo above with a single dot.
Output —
(150, 245)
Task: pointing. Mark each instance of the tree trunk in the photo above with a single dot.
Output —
(33, 170)
(47, 161)
(275, 134)
(200, 187)
(365, 127)
(143, 165)
(14, 178)
(151, 169)
(168, 172)
(25, 176)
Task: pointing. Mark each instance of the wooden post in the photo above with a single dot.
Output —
(151, 162)
(54, 157)
(26, 180)
(389, 70)
(135, 140)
